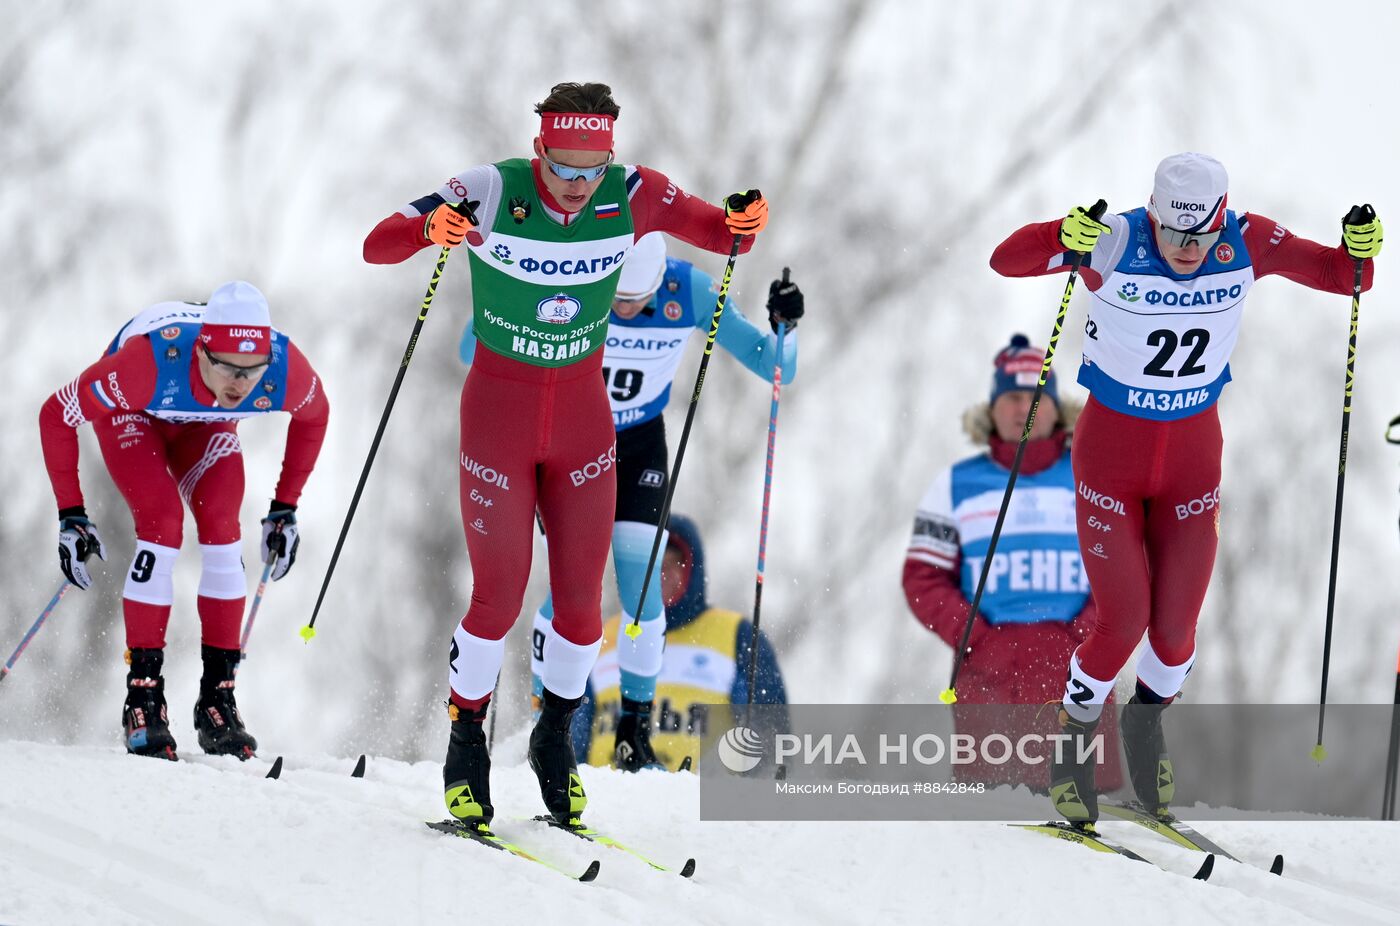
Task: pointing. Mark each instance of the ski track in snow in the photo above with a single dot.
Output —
(91, 835)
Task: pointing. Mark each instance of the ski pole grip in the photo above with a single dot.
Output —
(738, 202)
(467, 209)
(1097, 210)
(786, 274)
(1360, 215)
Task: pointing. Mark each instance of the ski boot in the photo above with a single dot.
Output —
(216, 717)
(1072, 788)
(1149, 766)
(144, 720)
(632, 751)
(552, 758)
(466, 773)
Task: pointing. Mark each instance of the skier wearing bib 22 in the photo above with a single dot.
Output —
(1169, 283)
(536, 428)
(660, 303)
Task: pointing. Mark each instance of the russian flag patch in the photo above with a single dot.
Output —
(101, 396)
(607, 210)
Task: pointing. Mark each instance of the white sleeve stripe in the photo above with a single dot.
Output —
(933, 559)
(310, 394)
(72, 408)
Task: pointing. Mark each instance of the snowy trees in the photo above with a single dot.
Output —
(154, 158)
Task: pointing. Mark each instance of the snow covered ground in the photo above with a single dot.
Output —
(89, 835)
(295, 127)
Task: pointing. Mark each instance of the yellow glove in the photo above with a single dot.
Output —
(1080, 231)
(1362, 232)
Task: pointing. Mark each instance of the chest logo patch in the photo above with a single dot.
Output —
(559, 309)
(672, 310)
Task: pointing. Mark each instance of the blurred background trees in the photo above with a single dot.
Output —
(151, 154)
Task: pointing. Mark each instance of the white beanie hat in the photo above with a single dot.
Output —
(1188, 193)
(237, 320)
(643, 269)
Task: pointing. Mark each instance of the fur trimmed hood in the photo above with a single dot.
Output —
(977, 420)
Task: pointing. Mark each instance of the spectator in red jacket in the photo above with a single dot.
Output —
(1036, 606)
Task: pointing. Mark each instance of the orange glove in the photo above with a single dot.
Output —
(746, 213)
(447, 225)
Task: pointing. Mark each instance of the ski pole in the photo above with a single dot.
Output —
(763, 521)
(950, 694)
(1392, 757)
(1357, 215)
(19, 650)
(257, 600)
(309, 630)
(635, 628)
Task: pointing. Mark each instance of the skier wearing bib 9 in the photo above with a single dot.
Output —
(1169, 283)
(661, 302)
(536, 429)
(165, 402)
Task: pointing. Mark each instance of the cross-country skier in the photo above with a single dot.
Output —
(706, 665)
(1169, 283)
(547, 239)
(661, 302)
(165, 402)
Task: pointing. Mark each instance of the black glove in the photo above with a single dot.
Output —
(784, 303)
(77, 540)
(279, 537)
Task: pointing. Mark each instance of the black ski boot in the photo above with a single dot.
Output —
(632, 751)
(144, 718)
(466, 774)
(1072, 788)
(216, 717)
(1149, 766)
(552, 758)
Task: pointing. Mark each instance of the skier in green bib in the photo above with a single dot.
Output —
(547, 239)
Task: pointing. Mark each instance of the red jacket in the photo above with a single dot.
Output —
(1009, 663)
(657, 205)
(131, 374)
